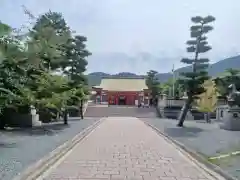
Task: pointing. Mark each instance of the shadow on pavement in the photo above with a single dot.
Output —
(19, 148)
(183, 132)
(8, 145)
(46, 129)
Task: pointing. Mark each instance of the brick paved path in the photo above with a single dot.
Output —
(120, 111)
(125, 148)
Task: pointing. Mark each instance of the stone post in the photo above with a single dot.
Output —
(35, 117)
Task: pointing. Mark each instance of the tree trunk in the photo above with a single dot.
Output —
(65, 117)
(81, 109)
(184, 112)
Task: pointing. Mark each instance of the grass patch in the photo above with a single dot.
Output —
(215, 161)
(235, 153)
(224, 160)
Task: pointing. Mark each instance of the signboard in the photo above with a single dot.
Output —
(121, 97)
(136, 102)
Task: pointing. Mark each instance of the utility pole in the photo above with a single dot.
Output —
(173, 85)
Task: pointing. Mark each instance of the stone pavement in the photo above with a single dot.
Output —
(20, 148)
(125, 148)
(120, 111)
(206, 139)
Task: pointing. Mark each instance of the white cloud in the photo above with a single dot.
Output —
(134, 26)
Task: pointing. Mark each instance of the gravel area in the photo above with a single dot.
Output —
(20, 148)
(206, 139)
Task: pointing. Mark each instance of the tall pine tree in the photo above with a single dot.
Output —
(51, 33)
(75, 65)
(193, 81)
(153, 84)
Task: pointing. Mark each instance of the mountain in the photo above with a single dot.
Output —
(95, 78)
(215, 69)
(220, 66)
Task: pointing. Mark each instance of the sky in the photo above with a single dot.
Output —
(137, 35)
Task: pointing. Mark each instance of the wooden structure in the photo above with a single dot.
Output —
(122, 91)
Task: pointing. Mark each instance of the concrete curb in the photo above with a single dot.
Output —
(211, 169)
(37, 169)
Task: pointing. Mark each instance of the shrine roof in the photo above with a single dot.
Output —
(123, 84)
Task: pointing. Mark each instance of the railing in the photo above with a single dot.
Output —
(170, 102)
(221, 102)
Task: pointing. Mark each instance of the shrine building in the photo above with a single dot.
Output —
(122, 91)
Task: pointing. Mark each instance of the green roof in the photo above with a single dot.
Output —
(123, 84)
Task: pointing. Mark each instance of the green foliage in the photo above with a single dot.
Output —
(75, 62)
(208, 100)
(28, 65)
(49, 34)
(153, 83)
(5, 29)
(193, 81)
(167, 88)
(230, 76)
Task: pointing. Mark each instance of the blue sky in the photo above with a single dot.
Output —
(146, 34)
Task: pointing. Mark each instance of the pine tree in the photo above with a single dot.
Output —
(230, 76)
(28, 62)
(193, 81)
(74, 66)
(50, 32)
(153, 84)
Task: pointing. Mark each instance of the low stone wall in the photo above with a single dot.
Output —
(45, 117)
(19, 120)
(170, 102)
(171, 108)
(197, 115)
(170, 112)
(11, 118)
(76, 112)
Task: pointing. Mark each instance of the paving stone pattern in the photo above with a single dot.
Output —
(125, 148)
(206, 139)
(120, 111)
(21, 148)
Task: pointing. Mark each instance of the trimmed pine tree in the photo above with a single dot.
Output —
(193, 80)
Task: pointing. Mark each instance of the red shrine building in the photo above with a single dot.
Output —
(122, 91)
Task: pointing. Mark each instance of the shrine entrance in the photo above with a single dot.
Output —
(123, 91)
(122, 100)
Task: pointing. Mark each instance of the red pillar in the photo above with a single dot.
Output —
(116, 98)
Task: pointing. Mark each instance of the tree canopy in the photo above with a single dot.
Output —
(230, 76)
(29, 63)
(193, 81)
(153, 83)
(207, 101)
